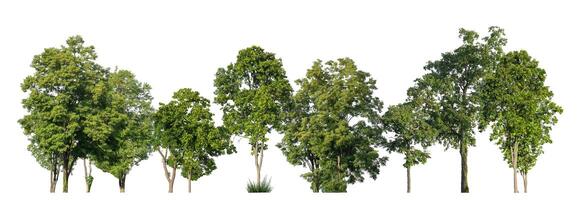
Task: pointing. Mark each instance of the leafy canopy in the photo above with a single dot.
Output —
(334, 126)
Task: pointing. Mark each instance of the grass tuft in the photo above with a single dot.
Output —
(263, 187)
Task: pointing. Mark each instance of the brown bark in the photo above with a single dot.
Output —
(464, 168)
(408, 179)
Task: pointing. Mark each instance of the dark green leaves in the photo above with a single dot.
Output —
(184, 127)
(334, 126)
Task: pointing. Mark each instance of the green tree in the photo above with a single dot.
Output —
(334, 126)
(518, 106)
(186, 133)
(254, 94)
(454, 80)
(126, 122)
(62, 92)
(410, 123)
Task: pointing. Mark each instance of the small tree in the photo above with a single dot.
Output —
(63, 92)
(413, 133)
(127, 122)
(519, 108)
(186, 137)
(254, 94)
(334, 126)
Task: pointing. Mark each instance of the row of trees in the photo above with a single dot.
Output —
(333, 124)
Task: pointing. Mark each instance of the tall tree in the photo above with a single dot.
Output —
(127, 123)
(519, 108)
(187, 138)
(334, 126)
(63, 91)
(413, 131)
(254, 94)
(455, 79)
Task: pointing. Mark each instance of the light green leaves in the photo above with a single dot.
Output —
(520, 107)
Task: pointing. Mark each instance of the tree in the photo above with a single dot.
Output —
(518, 106)
(62, 92)
(254, 94)
(413, 133)
(455, 79)
(334, 126)
(127, 123)
(187, 135)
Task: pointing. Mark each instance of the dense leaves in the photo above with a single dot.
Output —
(63, 93)
(186, 137)
(334, 126)
(124, 126)
(254, 94)
(454, 82)
(520, 109)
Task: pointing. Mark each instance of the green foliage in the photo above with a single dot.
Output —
(452, 84)
(184, 127)
(334, 126)
(124, 126)
(255, 96)
(63, 93)
(411, 126)
(454, 80)
(519, 108)
(262, 187)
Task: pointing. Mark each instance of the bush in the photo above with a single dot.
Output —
(264, 186)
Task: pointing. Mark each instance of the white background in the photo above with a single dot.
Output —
(173, 44)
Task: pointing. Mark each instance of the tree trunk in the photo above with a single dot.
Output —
(169, 177)
(54, 179)
(66, 170)
(258, 156)
(524, 175)
(122, 183)
(408, 179)
(514, 162)
(189, 180)
(464, 168)
(171, 181)
(87, 175)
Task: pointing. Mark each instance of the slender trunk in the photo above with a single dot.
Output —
(171, 181)
(316, 184)
(524, 175)
(87, 175)
(189, 180)
(514, 162)
(258, 156)
(122, 183)
(54, 174)
(66, 167)
(408, 179)
(169, 177)
(464, 168)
